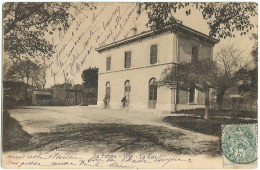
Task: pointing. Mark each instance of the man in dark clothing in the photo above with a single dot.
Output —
(105, 101)
(123, 102)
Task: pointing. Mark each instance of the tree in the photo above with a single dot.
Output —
(254, 51)
(22, 71)
(39, 76)
(223, 18)
(200, 74)
(228, 59)
(26, 23)
(90, 78)
(247, 78)
(12, 92)
(90, 81)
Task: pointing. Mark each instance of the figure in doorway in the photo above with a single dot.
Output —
(105, 101)
(123, 101)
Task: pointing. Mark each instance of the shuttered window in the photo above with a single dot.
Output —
(128, 59)
(153, 54)
(192, 94)
(194, 56)
(108, 63)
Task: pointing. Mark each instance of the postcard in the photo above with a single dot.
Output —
(129, 85)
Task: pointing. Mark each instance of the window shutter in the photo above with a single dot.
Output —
(153, 54)
(128, 59)
(108, 63)
(194, 56)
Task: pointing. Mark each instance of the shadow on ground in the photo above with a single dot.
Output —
(211, 126)
(120, 138)
(14, 137)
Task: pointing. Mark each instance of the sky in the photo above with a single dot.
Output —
(75, 48)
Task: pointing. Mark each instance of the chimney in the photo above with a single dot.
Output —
(134, 31)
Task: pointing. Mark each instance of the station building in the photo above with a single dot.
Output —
(133, 66)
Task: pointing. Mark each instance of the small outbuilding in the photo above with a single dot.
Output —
(41, 98)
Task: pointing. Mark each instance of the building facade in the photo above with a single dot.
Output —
(66, 94)
(131, 67)
(41, 98)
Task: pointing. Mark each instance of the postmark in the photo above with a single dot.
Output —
(239, 144)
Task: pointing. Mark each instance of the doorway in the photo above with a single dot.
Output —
(152, 93)
(127, 92)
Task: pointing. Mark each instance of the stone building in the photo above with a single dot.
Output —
(41, 98)
(131, 67)
(66, 94)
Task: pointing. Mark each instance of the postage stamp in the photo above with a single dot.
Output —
(239, 144)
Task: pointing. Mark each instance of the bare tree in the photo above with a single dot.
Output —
(39, 76)
(229, 61)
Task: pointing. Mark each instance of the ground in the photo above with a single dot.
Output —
(81, 128)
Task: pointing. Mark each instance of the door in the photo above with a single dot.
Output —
(152, 93)
(127, 92)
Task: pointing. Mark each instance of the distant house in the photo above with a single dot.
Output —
(66, 94)
(131, 67)
(59, 91)
(41, 98)
(74, 96)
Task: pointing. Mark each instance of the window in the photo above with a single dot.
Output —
(128, 59)
(194, 56)
(153, 54)
(108, 63)
(127, 87)
(192, 94)
(153, 89)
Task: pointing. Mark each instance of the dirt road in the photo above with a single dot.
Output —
(80, 128)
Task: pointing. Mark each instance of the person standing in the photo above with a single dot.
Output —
(123, 101)
(105, 101)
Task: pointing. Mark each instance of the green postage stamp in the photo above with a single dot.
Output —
(239, 145)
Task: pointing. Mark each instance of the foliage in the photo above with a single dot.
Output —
(13, 88)
(223, 18)
(247, 82)
(254, 51)
(90, 78)
(200, 74)
(26, 23)
(247, 78)
(22, 71)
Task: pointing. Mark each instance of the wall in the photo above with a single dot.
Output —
(185, 48)
(139, 79)
(205, 51)
(140, 72)
(140, 53)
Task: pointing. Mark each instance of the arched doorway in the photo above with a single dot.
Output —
(108, 92)
(152, 93)
(127, 92)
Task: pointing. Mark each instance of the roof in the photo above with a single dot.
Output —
(146, 34)
(74, 90)
(42, 93)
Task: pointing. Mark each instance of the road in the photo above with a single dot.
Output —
(81, 128)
